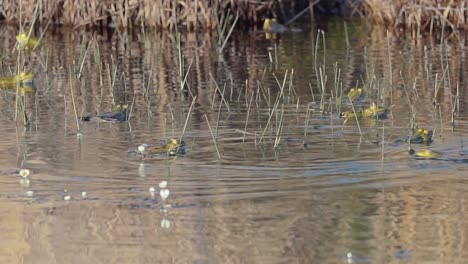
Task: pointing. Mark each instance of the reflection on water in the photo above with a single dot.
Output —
(330, 192)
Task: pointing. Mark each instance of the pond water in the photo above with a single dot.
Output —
(293, 182)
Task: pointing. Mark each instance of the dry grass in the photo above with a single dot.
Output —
(419, 15)
(166, 14)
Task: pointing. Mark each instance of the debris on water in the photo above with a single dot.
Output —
(84, 195)
(30, 193)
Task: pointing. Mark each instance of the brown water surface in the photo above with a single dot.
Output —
(330, 192)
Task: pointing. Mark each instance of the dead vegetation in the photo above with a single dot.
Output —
(166, 14)
(419, 15)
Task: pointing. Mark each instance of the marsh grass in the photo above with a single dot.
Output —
(144, 14)
(272, 105)
(213, 137)
(419, 16)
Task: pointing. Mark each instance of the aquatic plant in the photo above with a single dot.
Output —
(418, 16)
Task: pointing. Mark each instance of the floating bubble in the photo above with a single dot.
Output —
(30, 193)
(84, 195)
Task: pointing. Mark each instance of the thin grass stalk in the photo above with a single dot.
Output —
(222, 21)
(247, 118)
(406, 89)
(306, 126)
(279, 129)
(277, 101)
(131, 107)
(458, 98)
(275, 49)
(382, 154)
(213, 137)
(346, 36)
(229, 33)
(324, 40)
(83, 60)
(180, 60)
(219, 113)
(291, 86)
(182, 85)
(312, 92)
(356, 116)
(222, 94)
(99, 61)
(73, 102)
(338, 90)
(316, 51)
(186, 120)
(323, 80)
(18, 70)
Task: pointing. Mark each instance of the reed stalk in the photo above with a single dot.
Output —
(220, 92)
(279, 129)
(73, 102)
(247, 118)
(275, 106)
(186, 119)
(213, 137)
(229, 33)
